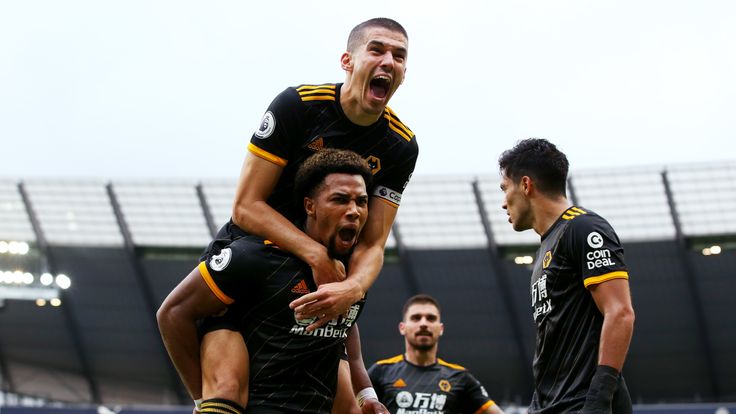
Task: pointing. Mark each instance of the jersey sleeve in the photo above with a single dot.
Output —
(476, 399)
(596, 250)
(237, 271)
(390, 186)
(275, 137)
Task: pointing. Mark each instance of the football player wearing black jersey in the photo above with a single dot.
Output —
(418, 382)
(300, 121)
(580, 295)
(291, 369)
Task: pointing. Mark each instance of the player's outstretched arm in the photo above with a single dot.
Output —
(177, 317)
(366, 261)
(251, 212)
(614, 301)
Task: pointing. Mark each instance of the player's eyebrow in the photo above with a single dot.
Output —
(378, 43)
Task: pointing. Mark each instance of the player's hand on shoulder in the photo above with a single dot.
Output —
(372, 406)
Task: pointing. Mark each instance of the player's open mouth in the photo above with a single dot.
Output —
(380, 85)
(347, 236)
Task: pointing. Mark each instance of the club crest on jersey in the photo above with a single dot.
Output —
(445, 385)
(375, 164)
(547, 259)
(268, 125)
(220, 262)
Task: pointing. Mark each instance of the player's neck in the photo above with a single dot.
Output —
(547, 211)
(421, 358)
(350, 98)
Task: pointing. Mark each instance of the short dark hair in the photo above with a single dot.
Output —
(311, 174)
(420, 298)
(356, 35)
(540, 160)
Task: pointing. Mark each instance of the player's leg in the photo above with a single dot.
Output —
(345, 402)
(225, 366)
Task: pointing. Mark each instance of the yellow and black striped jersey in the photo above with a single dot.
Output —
(304, 119)
(440, 388)
(579, 250)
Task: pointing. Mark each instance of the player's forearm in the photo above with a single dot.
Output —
(180, 338)
(618, 327)
(358, 374)
(260, 219)
(365, 264)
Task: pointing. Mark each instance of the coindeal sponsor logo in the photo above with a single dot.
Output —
(599, 258)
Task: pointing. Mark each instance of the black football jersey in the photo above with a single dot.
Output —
(304, 119)
(440, 388)
(290, 369)
(580, 250)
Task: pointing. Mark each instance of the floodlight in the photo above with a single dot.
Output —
(40, 302)
(27, 278)
(63, 281)
(23, 248)
(4, 247)
(47, 279)
(13, 247)
(55, 302)
(715, 249)
(520, 260)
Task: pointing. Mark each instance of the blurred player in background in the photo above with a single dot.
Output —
(418, 381)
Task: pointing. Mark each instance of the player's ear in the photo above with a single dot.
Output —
(526, 184)
(402, 330)
(346, 62)
(442, 328)
(309, 206)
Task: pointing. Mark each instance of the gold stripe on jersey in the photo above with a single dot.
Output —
(216, 406)
(212, 285)
(397, 130)
(573, 212)
(487, 405)
(594, 280)
(449, 365)
(398, 121)
(261, 153)
(316, 92)
(214, 410)
(318, 98)
(392, 360)
(309, 87)
(396, 125)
